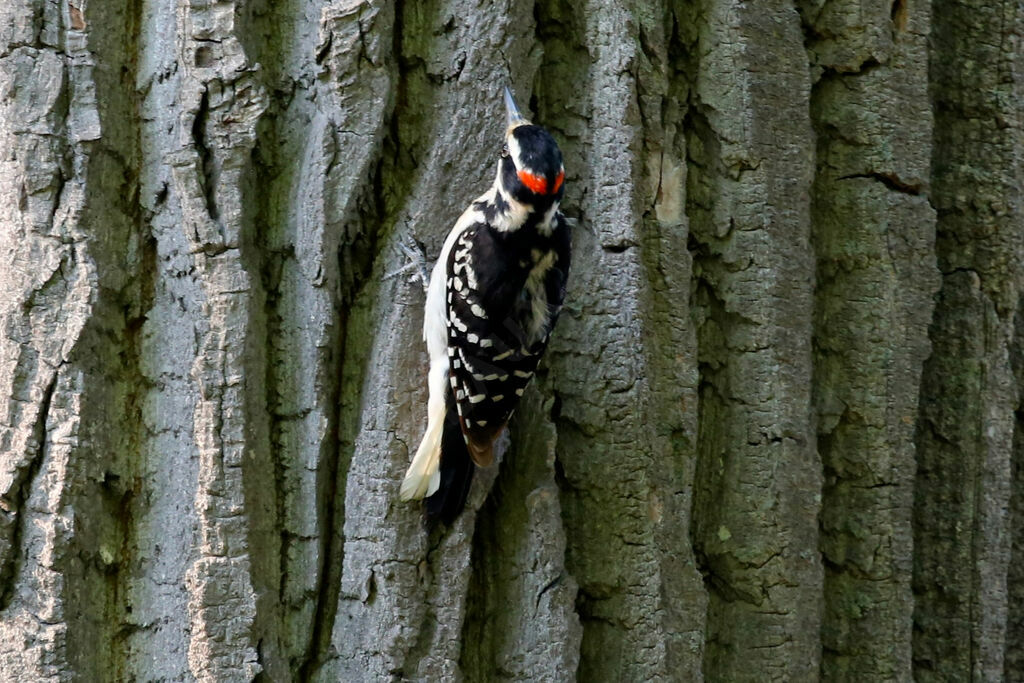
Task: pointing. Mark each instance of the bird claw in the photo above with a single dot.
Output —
(417, 262)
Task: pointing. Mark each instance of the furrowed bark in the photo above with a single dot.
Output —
(874, 240)
(618, 499)
(758, 475)
(54, 317)
(969, 391)
(777, 432)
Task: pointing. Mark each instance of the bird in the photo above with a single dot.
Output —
(493, 299)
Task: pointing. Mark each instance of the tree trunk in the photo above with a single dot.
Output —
(777, 434)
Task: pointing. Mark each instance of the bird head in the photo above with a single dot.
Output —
(530, 170)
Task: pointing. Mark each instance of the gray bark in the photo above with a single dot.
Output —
(777, 433)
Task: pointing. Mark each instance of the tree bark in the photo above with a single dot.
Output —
(777, 434)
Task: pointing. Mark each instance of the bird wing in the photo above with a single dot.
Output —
(491, 358)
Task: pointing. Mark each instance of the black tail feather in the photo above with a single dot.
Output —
(456, 472)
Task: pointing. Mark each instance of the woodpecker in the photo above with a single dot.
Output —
(494, 296)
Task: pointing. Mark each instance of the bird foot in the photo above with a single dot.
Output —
(417, 262)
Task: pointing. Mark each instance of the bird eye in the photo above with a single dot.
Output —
(504, 150)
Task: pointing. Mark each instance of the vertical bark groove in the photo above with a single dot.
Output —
(16, 500)
(758, 477)
(874, 244)
(969, 392)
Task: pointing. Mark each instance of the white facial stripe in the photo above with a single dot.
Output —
(513, 150)
(547, 224)
(514, 216)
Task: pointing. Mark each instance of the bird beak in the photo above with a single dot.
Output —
(514, 117)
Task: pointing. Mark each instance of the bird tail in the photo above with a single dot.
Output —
(456, 471)
(423, 478)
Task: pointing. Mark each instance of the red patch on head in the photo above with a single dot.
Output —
(558, 181)
(535, 183)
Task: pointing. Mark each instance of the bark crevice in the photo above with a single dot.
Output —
(15, 506)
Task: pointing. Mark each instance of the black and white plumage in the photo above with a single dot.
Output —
(494, 296)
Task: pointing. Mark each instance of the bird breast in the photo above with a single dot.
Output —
(538, 321)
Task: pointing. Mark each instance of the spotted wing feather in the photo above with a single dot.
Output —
(498, 326)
